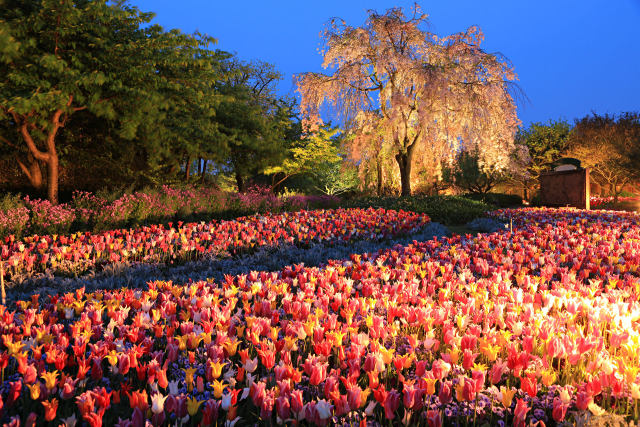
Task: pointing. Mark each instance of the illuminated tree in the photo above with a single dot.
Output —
(432, 93)
(314, 152)
(606, 144)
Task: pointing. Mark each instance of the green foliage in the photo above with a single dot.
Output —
(98, 89)
(252, 119)
(334, 178)
(308, 154)
(467, 174)
(449, 210)
(546, 143)
(10, 202)
(500, 200)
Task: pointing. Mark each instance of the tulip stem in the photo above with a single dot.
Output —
(4, 294)
(475, 409)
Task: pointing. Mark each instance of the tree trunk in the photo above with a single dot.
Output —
(52, 177)
(187, 170)
(32, 171)
(50, 156)
(379, 170)
(240, 182)
(204, 170)
(404, 163)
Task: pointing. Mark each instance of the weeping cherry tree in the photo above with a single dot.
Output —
(442, 94)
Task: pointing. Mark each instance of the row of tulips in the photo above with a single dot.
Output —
(538, 326)
(600, 201)
(81, 252)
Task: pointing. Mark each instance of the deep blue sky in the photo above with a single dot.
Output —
(572, 57)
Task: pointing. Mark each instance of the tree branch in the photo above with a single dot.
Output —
(28, 139)
(24, 169)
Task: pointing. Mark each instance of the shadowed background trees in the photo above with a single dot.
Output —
(91, 90)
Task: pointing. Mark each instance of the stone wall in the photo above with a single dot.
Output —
(566, 188)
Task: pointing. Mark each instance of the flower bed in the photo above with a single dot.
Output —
(603, 201)
(89, 212)
(80, 252)
(538, 324)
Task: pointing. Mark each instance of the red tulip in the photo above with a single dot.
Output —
(296, 401)
(529, 384)
(559, 410)
(434, 419)
(520, 412)
(391, 404)
(283, 408)
(318, 373)
(50, 409)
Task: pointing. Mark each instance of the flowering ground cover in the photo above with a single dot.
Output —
(90, 212)
(80, 252)
(538, 325)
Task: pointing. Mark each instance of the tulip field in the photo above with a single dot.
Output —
(534, 325)
(80, 252)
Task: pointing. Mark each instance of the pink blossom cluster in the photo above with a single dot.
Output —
(88, 211)
(14, 219)
(45, 216)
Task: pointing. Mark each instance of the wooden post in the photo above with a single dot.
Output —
(4, 294)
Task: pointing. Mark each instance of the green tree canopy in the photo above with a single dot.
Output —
(546, 143)
(252, 119)
(468, 175)
(102, 61)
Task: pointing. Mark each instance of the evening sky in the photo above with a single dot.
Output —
(571, 57)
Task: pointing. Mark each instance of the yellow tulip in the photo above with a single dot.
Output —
(635, 391)
(506, 396)
(182, 342)
(387, 355)
(548, 377)
(596, 410)
(49, 379)
(14, 348)
(489, 351)
(216, 369)
(231, 346)
(218, 388)
(430, 386)
(290, 343)
(34, 389)
(336, 337)
(454, 353)
(112, 357)
(364, 396)
(193, 405)
(189, 377)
